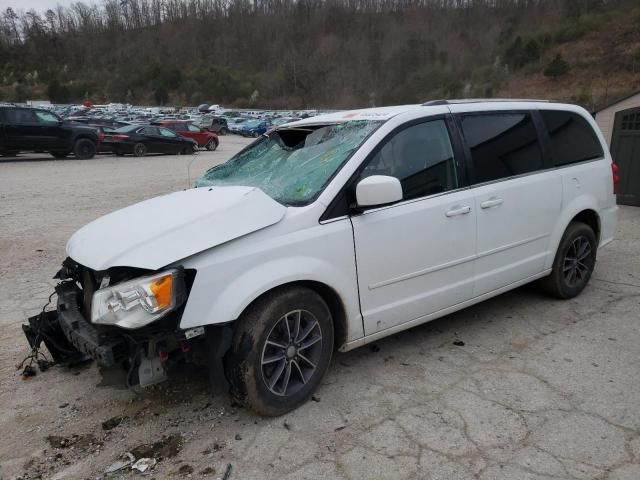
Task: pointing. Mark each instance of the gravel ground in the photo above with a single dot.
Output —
(534, 388)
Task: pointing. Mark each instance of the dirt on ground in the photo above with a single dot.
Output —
(522, 386)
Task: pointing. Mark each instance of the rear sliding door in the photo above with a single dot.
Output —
(517, 197)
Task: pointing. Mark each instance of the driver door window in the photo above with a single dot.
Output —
(421, 157)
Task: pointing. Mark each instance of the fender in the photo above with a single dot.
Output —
(579, 204)
(247, 287)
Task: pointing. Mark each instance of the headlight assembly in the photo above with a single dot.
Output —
(138, 302)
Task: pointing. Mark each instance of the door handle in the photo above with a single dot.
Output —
(458, 210)
(492, 202)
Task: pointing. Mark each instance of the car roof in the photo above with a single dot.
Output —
(457, 105)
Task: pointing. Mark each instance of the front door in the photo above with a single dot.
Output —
(625, 150)
(415, 257)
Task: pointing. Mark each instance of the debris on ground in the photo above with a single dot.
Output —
(144, 464)
(78, 441)
(167, 447)
(185, 470)
(314, 398)
(238, 436)
(208, 471)
(459, 343)
(113, 422)
(227, 472)
(123, 462)
(286, 425)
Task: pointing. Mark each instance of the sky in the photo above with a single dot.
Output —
(38, 5)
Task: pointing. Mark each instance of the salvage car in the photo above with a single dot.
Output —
(24, 129)
(333, 232)
(139, 140)
(203, 138)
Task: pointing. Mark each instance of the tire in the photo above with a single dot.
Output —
(574, 262)
(59, 154)
(223, 131)
(211, 145)
(139, 149)
(84, 149)
(271, 380)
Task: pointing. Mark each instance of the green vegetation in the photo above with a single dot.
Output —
(298, 53)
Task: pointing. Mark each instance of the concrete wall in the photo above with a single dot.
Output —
(605, 118)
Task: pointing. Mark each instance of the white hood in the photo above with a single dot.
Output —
(162, 230)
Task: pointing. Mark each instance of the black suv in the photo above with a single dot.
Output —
(31, 129)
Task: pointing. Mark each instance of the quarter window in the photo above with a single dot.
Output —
(421, 157)
(572, 138)
(502, 145)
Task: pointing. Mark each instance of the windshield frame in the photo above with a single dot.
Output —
(347, 159)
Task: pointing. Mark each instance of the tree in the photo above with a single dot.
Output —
(161, 95)
(57, 92)
(556, 68)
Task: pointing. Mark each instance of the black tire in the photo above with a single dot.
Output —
(223, 131)
(574, 262)
(59, 154)
(257, 371)
(139, 149)
(84, 149)
(211, 145)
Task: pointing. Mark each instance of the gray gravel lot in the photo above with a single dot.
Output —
(541, 389)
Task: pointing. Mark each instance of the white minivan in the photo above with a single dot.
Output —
(332, 232)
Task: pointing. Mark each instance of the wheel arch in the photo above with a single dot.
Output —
(582, 209)
(328, 294)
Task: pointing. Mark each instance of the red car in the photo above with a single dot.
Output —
(184, 128)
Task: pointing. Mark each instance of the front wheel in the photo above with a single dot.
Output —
(574, 262)
(281, 350)
(211, 145)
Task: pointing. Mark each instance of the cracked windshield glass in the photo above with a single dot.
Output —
(292, 165)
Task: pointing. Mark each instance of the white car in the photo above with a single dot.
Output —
(332, 232)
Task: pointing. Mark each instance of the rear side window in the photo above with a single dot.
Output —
(502, 145)
(572, 138)
(21, 115)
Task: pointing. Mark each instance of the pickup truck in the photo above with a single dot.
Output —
(24, 129)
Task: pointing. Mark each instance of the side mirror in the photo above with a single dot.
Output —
(378, 190)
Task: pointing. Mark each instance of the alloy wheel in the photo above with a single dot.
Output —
(576, 268)
(291, 352)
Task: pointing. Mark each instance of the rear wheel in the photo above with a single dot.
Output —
(223, 131)
(84, 149)
(574, 262)
(139, 149)
(211, 145)
(281, 350)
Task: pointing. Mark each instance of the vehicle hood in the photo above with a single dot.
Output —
(162, 230)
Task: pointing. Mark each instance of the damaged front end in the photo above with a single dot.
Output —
(122, 317)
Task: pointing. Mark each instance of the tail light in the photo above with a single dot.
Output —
(616, 178)
(121, 138)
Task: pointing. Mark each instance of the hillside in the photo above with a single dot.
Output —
(321, 53)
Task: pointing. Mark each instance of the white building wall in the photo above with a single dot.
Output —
(605, 118)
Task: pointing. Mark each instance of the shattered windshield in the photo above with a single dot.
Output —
(292, 165)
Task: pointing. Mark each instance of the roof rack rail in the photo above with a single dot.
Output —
(432, 103)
